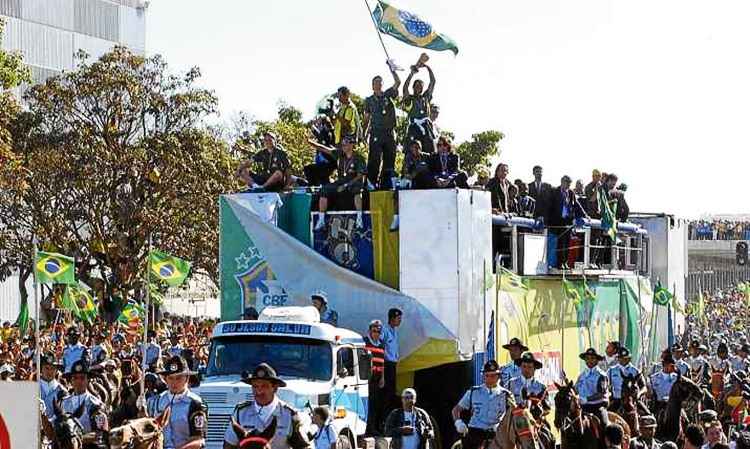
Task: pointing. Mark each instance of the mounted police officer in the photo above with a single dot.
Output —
(511, 369)
(721, 361)
(265, 410)
(617, 375)
(699, 366)
(525, 387)
(74, 351)
(487, 405)
(319, 299)
(647, 425)
(94, 417)
(592, 386)
(188, 419)
(679, 356)
(740, 360)
(661, 383)
(51, 389)
(99, 352)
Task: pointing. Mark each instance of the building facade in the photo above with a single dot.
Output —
(50, 32)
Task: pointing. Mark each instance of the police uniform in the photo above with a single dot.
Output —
(487, 407)
(739, 363)
(699, 368)
(153, 352)
(98, 354)
(256, 418)
(661, 385)
(616, 376)
(592, 386)
(94, 417)
(51, 391)
(720, 364)
(532, 387)
(511, 369)
(329, 316)
(73, 354)
(189, 415)
(683, 367)
(175, 351)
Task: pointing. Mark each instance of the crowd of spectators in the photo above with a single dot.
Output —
(719, 230)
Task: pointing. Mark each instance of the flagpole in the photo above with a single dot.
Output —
(145, 320)
(377, 31)
(36, 319)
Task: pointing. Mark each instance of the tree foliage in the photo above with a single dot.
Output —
(476, 153)
(113, 153)
(12, 69)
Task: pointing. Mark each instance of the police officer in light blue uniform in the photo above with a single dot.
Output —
(153, 352)
(175, 348)
(678, 353)
(99, 351)
(593, 386)
(740, 361)
(618, 373)
(525, 387)
(511, 369)
(88, 408)
(319, 299)
(487, 404)
(51, 389)
(74, 351)
(188, 419)
(661, 383)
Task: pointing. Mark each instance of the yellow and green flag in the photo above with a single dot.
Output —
(744, 287)
(169, 269)
(80, 302)
(588, 292)
(410, 28)
(511, 282)
(132, 314)
(662, 296)
(53, 268)
(571, 292)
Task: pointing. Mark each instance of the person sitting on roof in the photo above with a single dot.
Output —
(319, 299)
(445, 166)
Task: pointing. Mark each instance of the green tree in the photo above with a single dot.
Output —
(113, 153)
(476, 153)
(12, 69)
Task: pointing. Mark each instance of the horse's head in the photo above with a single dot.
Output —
(718, 379)
(566, 402)
(534, 403)
(143, 433)
(68, 428)
(253, 439)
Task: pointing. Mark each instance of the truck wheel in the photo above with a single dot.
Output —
(343, 442)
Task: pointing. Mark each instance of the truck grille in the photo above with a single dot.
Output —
(217, 425)
(214, 396)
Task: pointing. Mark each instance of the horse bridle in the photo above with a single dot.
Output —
(137, 440)
(254, 439)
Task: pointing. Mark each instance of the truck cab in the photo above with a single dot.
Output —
(321, 365)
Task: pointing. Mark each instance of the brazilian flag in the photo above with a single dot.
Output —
(169, 269)
(608, 211)
(131, 314)
(662, 296)
(80, 302)
(410, 28)
(53, 268)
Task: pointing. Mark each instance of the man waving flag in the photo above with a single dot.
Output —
(410, 28)
(169, 269)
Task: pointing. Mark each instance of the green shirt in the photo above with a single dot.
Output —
(349, 168)
(269, 162)
(418, 105)
(382, 110)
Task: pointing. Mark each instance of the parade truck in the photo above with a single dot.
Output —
(321, 365)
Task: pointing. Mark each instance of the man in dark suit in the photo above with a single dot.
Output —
(540, 191)
(562, 210)
(445, 166)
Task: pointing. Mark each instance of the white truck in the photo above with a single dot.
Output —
(321, 365)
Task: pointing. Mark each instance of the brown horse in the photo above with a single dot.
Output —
(519, 429)
(629, 404)
(142, 433)
(582, 430)
(254, 439)
(684, 395)
(718, 380)
(67, 432)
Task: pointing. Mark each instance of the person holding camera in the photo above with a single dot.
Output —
(409, 426)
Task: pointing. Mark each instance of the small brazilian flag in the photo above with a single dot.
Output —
(131, 314)
(662, 296)
(169, 269)
(53, 268)
(410, 28)
(80, 302)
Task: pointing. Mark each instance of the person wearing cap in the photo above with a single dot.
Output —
(739, 360)
(376, 400)
(486, 405)
(526, 387)
(391, 348)
(266, 406)
(617, 375)
(175, 345)
(661, 383)
(267, 169)
(319, 172)
(699, 366)
(379, 125)
(319, 300)
(50, 389)
(679, 356)
(510, 370)
(592, 385)
(188, 420)
(74, 351)
(351, 172)
(409, 426)
(417, 106)
(325, 437)
(346, 122)
(721, 361)
(6, 372)
(647, 425)
(94, 417)
(99, 352)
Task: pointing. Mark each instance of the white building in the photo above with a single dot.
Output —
(49, 32)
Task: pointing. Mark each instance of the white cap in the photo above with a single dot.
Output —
(409, 391)
(323, 296)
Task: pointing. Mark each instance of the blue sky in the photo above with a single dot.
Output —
(656, 91)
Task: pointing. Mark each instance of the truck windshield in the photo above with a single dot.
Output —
(291, 357)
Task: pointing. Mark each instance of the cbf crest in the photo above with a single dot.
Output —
(258, 285)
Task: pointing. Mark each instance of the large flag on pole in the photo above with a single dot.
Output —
(53, 268)
(608, 211)
(23, 318)
(410, 28)
(169, 269)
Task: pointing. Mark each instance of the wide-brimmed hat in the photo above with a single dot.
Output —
(516, 343)
(647, 421)
(78, 367)
(176, 365)
(50, 359)
(491, 367)
(528, 357)
(591, 352)
(264, 371)
(667, 358)
(623, 352)
(677, 347)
